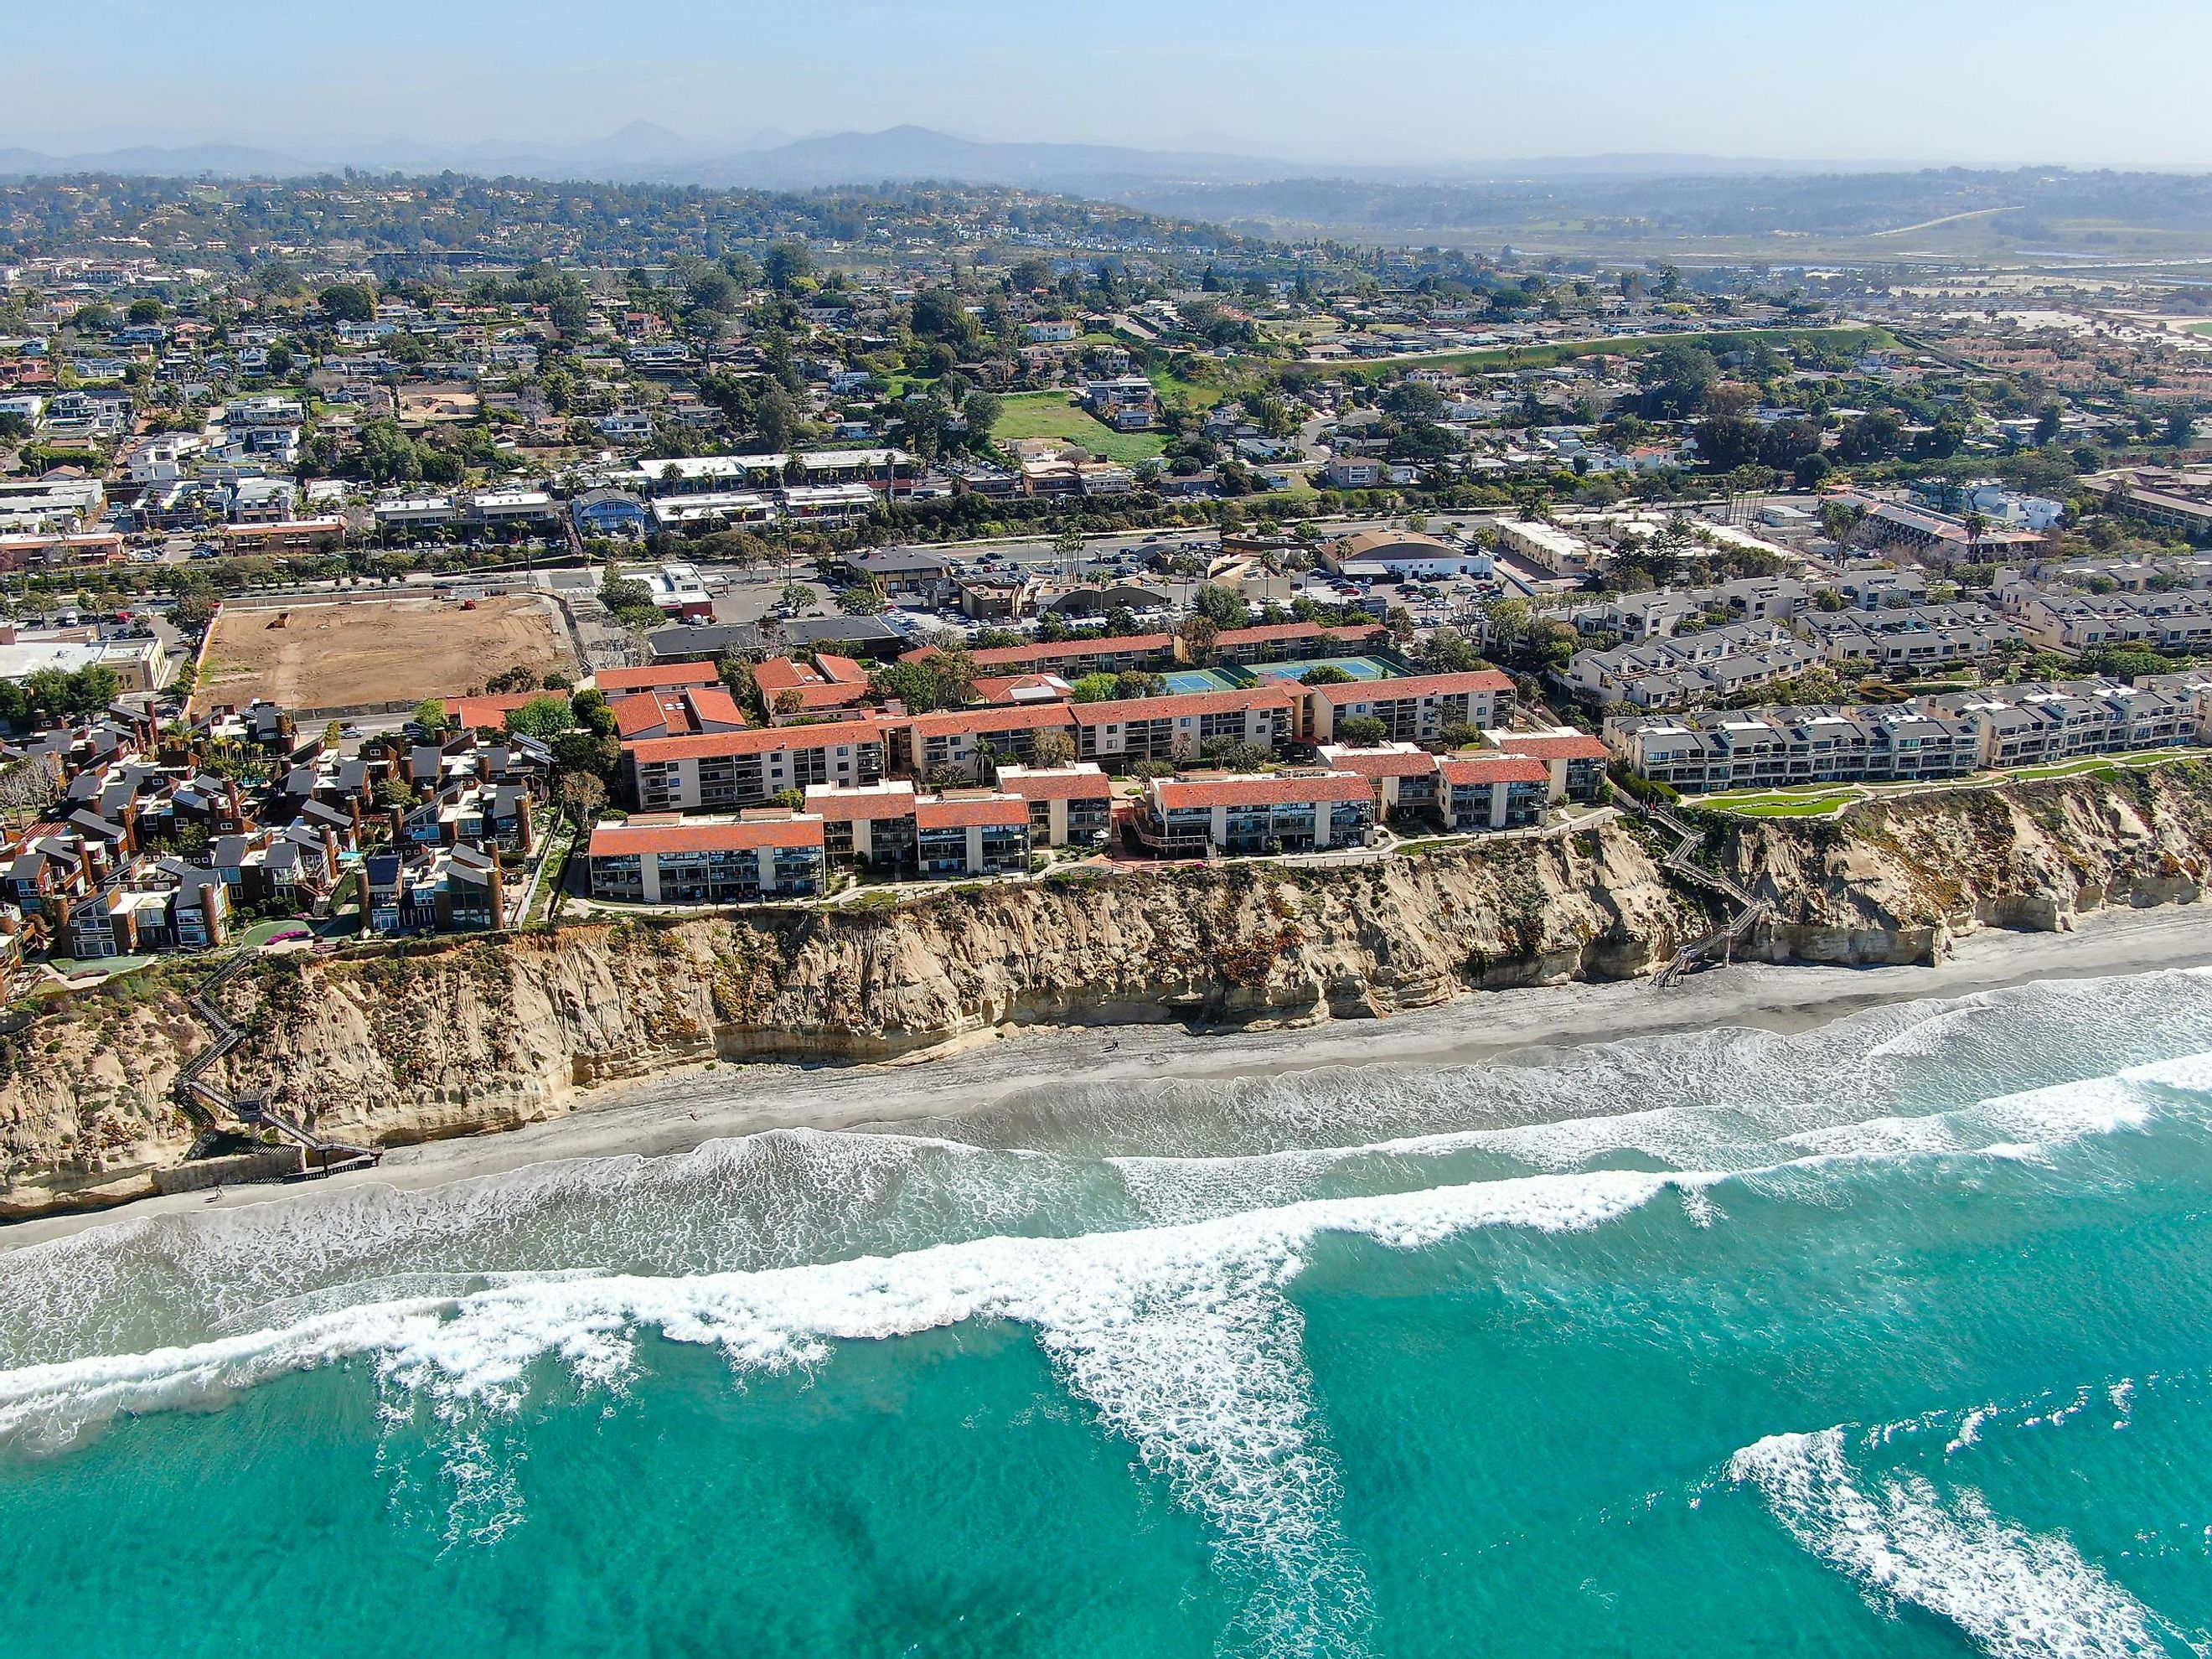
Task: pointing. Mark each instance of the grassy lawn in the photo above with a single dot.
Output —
(2106, 765)
(1051, 415)
(1814, 801)
(1200, 395)
(1821, 806)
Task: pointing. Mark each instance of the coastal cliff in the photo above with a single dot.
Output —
(406, 1042)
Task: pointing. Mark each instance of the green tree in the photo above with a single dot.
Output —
(1224, 607)
(582, 795)
(542, 718)
(431, 718)
(347, 302)
(982, 410)
(788, 264)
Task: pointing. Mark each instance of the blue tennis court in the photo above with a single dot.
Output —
(1360, 668)
(1202, 679)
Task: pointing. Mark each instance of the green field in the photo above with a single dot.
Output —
(1631, 345)
(1052, 415)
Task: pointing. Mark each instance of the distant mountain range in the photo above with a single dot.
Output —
(642, 152)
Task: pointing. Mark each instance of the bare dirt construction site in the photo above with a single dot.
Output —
(364, 653)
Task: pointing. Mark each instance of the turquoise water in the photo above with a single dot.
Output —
(1889, 1338)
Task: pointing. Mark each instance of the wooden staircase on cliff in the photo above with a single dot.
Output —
(1749, 913)
(207, 1105)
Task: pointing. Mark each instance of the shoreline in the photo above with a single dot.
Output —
(673, 1114)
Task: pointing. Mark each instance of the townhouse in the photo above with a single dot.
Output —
(448, 889)
(1711, 664)
(1946, 735)
(2037, 723)
(1771, 748)
(1907, 641)
(2175, 624)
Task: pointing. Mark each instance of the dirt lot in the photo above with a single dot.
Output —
(349, 655)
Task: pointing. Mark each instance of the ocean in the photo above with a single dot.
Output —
(1890, 1336)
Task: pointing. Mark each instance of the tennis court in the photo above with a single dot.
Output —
(1181, 680)
(1360, 668)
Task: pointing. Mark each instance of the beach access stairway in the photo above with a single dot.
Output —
(1749, 911)
(207, 1105)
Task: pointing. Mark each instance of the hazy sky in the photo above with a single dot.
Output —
(1971, 81)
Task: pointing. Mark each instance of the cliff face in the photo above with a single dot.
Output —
(414, 1042)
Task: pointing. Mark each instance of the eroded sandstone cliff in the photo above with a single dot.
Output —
(397, 1043)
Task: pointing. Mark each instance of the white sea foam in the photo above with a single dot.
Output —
(1180, 1338)
(2017, 1594)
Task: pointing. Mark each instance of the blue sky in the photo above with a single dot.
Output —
(1417, 80)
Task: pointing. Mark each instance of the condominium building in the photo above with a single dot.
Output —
(1277, 812)
(722, 770)
(669, 861)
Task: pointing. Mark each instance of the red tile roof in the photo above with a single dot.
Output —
(616, 839)
(476, 712)
(1271, 789)
(1014, 717)
(1464, 771)
(1042, 651)
(1420, 685)
(713, 705)
(962, 814)
(1129, 710)
(1277, 633)
(1577, 745)
(767, 740)
(1057, 785)
(611, 680)
(1041, 688)
(637, 714)
(782, 674)
(860, 806)
(675, 713)
(1384, 763)
(840, 671)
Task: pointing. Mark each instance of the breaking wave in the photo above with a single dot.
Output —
(2017, 1594)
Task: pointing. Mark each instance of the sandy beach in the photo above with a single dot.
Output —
(672, 1114)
